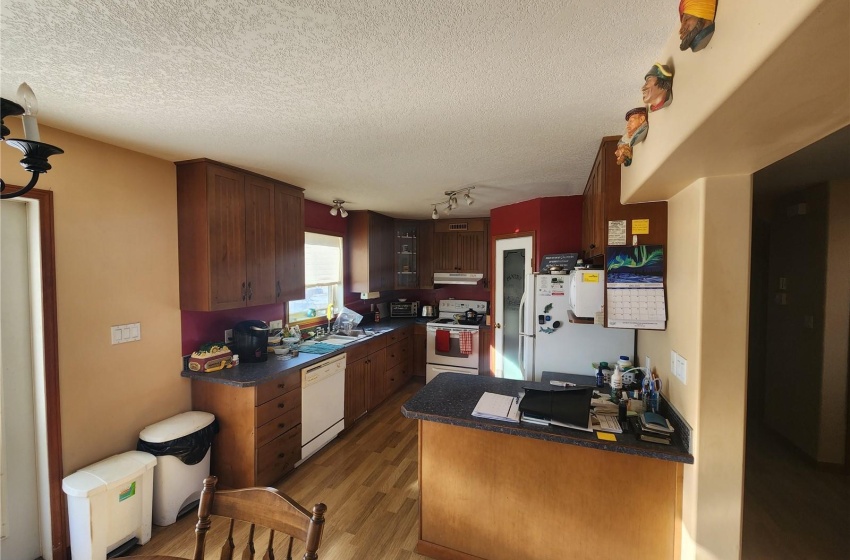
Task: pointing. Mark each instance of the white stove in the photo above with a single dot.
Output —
(446, 350)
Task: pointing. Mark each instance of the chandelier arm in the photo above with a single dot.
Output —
(19, 192)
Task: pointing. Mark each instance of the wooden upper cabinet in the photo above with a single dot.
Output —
(601, 204)
(260, 240)
(460, 246)
(371, 245)
(426, 254)
(289, 240)
(227, 230)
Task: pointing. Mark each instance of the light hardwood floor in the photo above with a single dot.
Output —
(792, 510)
(368, 478)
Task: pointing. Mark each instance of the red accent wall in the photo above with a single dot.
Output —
(555, 221)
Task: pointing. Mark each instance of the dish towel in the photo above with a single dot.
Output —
(465, 339)
(441, 342)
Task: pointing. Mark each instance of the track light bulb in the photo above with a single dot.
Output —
(468, 199)
(343, 212)
(434, 214)
(334, 210)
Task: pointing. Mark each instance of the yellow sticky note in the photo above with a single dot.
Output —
(592, 278)
(640, 227)
(606, 436)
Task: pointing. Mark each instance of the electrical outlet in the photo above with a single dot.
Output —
(276, 324)
(228, 336)
(681, 371)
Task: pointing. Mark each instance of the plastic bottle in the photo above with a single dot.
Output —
(377, 316)
(616, 382)
(624, 362)
(600, 377)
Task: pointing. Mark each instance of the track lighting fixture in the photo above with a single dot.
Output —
(451, 201)
(337, 208)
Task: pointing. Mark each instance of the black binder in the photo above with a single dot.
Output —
(570, 405)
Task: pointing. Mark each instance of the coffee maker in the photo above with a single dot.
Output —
(251, 341)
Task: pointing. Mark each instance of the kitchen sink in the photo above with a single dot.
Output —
(342, 339)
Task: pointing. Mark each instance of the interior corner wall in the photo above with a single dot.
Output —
(115, 217)
(707, 298)
(836, 328)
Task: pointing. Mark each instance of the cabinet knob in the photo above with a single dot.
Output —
(281, 455)
(281, 385)
(250, 291)
(244, 293)
(282, 425)
(498, 325)
(280, 405)
(278, 289)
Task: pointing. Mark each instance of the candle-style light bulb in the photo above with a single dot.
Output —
(30, 105)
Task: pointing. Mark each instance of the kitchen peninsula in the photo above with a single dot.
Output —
(501, 490)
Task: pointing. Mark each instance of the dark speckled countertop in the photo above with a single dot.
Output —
(253, 374)
(451, 397)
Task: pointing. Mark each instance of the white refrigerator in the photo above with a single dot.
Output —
(548, 341)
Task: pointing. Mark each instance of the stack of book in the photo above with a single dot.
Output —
(654, 428)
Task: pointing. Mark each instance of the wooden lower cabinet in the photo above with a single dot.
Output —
(375, 370)
(259, 438)
(420, 350)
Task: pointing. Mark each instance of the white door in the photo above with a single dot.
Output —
(18, 484)
(513, 265)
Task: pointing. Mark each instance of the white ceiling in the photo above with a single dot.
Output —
(385, 104)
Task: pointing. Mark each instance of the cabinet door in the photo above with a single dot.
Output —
(226, 218)
(260, 240)
(470, 252)
(289, 244)
(445, 252)
(426, 254)
(419, 350)
(376, 390)
(355, 391)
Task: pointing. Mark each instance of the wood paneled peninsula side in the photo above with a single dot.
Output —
(501, 490)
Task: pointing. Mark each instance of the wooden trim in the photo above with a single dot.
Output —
(237, 169)
(438, 552)
(58, 510)
(494, 280)
(677, 511)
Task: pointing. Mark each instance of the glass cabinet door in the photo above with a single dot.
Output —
(406, 263)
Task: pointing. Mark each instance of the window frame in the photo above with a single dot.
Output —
(339, 303)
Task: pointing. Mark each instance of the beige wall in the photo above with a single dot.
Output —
(707, 293)
(836, 328)
(116, 263)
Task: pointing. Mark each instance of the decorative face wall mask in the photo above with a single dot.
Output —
(636, 129)
(696, 27)
(657, 89)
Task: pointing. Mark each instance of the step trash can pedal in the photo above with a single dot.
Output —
(109, 503)
(181, 445)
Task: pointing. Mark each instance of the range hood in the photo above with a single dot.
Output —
(467, 278)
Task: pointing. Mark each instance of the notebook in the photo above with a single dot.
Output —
(570, 405)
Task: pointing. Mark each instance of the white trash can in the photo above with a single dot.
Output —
(181, 445)
(109, 503)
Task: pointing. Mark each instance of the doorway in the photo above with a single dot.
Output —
(514, 256)
(30, 379)
(797, 489)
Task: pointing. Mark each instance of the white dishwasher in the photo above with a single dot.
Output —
(322, 404)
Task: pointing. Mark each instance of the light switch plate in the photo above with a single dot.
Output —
(673, 357)
(681, 371)
(130, 332)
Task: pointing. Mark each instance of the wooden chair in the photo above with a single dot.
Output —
(266, 507)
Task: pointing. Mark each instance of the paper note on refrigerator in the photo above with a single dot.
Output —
(635, 287)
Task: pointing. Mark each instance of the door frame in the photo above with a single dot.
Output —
(494, 295)
(53, 436)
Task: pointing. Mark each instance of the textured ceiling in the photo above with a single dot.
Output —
(385, 104)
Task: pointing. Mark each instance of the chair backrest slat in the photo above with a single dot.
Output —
(266, 507)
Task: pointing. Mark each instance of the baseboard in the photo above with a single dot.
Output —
(439, 552)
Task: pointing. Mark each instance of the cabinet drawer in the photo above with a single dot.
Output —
(266, 412)
(398, 334)
(398, 353)
(278, 457)
(278, 426)
(376, 344)
(356, 352)
(281, 385)
(396, 377)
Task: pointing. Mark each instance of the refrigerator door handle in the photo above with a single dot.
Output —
(522, 317)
